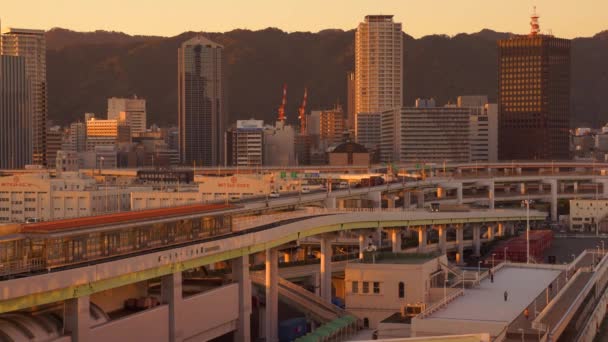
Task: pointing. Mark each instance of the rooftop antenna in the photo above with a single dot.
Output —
(534, 25)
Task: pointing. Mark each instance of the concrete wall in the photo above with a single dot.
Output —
(150, 326)
(394, 330)
(436, 326)
(209, 310)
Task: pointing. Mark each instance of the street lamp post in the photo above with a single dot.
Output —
(493, 254)
(527, 204)
(505, 253)
(478, 269)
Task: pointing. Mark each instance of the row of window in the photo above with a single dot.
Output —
(373, 287)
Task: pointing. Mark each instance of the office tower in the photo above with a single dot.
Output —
(245, 143)
(378, 65)
(131, 110)
(100, 132)
(483, 128)
(367, 130)
(533, 96)
(31, 44)
(200, 102)
(77, 137)
(15, 114)
(54, 139)
(350, 100)
(425, 133)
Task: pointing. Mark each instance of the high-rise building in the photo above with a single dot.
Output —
(350, 100)
(245, 144)
(31, 44)
(425, 133)
(327, 126)
(378, 65)
(15, 114)
(77, 137)
(131, 110)
(54, 140)
(201, 111)
(367, 130)
(100, 132)
(533, 96)
(483, 128)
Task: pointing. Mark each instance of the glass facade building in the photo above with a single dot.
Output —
(533, 97)
(200, 102)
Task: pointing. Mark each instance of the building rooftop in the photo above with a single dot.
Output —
(486, 303)
(396, 258)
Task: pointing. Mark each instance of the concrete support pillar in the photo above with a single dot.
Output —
(240, 274)
(325, 271)
(440, 192)
(272, 295)
(459, 193)
(171, 294)
(396, 240)
(490, 232)
(420, 199)
(340, 204)
(476, 241)
(441, 230)
(362, 244)
(407, 199)
(522, 188)
(390, 202)
(375, 198)
(491, 195)
(77, 318)
(553, 183)
(518, 170)
(422, 239)
(460, 241)
(330, 203)
(575, 186)
(501, 230)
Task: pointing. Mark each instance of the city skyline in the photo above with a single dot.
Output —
(419, 19)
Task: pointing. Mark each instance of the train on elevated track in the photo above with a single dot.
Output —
(51, 245)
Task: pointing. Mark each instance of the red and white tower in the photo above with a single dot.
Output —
(534, 25)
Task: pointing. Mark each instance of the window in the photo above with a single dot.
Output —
(376, 287)
(401, 290)
(355, 287)
(365, 287)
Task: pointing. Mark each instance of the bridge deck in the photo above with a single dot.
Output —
(487, 303)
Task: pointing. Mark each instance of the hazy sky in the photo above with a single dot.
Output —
(566, 18)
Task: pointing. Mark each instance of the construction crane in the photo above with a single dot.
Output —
(283, 102)
(302, 113)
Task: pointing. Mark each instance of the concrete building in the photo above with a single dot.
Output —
(100, 132)
(331, 126)
(245, 143)
(533, 96)
(39, 196)
(367, 130)
(378, 64)
(67, 161)
(378, 288)
(348, 153)
(31, 44)
(201, 112)
(16, 107)
(483, 128)
(279, 145)
(425, 133)
(589, 215)
(77, 140)
(54, 142)
(131, 110)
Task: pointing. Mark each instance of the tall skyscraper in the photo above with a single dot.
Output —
(200, 102)
(131, 110)
(31, 44)
(533, 96)
(15, 114)
(378, 65)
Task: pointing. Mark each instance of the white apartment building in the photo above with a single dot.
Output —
(131, 110)
(245, 144)
(483, 127)
(425, 134)
(71, 195)
(378, 64)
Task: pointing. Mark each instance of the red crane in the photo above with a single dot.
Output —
(302, 113)
(283, 102)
